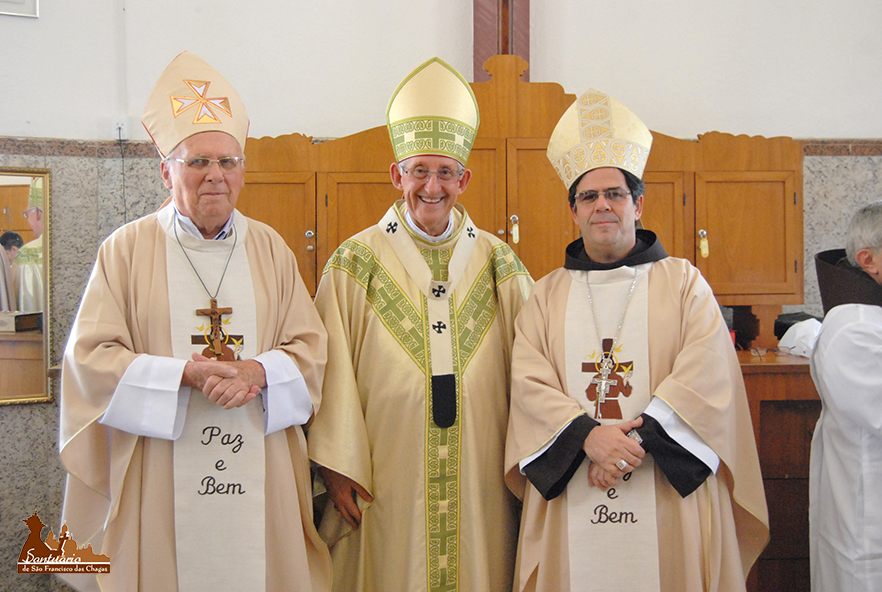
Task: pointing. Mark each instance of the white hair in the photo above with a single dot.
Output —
(864, 231)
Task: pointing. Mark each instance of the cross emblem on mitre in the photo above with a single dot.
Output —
(205, 112)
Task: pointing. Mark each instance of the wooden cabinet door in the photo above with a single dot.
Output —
(665, 210)
(347, 204)
(539, 200)
(751, 222)
(285, 201)
(13, 202)
(484, 199)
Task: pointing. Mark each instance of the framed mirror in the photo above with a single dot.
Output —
(25, 207)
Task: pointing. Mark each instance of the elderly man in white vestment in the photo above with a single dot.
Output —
(194, 362)
(845, 479)
(623, 357)
(420, 313)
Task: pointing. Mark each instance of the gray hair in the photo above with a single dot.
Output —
(864, 231)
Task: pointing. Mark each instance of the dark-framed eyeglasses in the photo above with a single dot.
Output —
(611, 195)
(444, 174)
(200, 163)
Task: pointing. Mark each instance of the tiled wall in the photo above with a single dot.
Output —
(838, 178)
(89, 200)
(95, 190)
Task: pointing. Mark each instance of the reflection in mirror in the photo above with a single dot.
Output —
(24, 285)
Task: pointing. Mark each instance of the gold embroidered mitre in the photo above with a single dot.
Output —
(35, 194)
(598, 131)
(433, 111)
(192, 97)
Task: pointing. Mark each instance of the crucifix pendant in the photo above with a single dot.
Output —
(217, 337)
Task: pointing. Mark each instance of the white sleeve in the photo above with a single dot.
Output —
(680, 431)
(542, 450)
(286, 399)
(149, 399)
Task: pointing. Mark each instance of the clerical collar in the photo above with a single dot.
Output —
(190, 228)
(647, 250)
(448, 232)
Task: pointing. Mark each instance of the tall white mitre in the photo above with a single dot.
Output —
(598, 131)
(191, 97)
(433, 111)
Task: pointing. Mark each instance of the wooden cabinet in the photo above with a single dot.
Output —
(784, 407)
(14, 201)
(21, 365)
(745, 192)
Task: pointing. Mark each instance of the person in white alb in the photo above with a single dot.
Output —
(845, 480)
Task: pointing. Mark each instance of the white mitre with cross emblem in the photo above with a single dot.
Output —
(433, 111)
(598, 131)
(191, 97)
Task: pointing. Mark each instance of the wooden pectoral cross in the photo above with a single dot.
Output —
(607, 384)
(216, 337)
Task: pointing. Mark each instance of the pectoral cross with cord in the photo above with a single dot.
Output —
(216, 337)
(608, 382)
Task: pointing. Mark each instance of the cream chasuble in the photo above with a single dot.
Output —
(608, 375)
(705, 541)
(403, 314)
(219, 458)
(120, 494)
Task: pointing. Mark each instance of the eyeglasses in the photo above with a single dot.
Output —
(226, 163)
(28, 211)
(422, 173)
(759, 352)
(611, 195)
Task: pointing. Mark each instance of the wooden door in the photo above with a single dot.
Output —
(751, 222)
(285, 201)
(667, 210)
(347, 204)
(484, 199)
(539, 200)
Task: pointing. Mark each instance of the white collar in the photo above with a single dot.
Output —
(448, 232)
(190, 228)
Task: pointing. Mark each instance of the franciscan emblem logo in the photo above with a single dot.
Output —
(61, 555)
(205, 107)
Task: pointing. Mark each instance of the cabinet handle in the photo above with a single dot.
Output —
(310, 234)
(515, 231)
(702, 244)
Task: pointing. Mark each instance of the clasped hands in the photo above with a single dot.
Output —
(608, 444)
(227, 384)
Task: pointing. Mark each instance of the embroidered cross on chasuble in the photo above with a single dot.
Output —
(216, 337)
(612, 380)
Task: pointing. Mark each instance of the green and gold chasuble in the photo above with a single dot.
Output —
(30, 276)
(442, 518)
